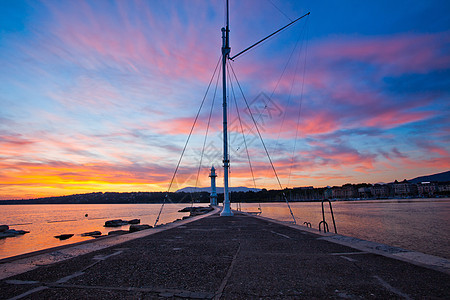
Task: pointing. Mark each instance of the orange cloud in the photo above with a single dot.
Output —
(52, 177)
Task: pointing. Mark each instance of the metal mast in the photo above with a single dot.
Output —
(226, 161)
(225, 56)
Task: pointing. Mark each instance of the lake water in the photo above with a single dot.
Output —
(415, 224)
(44, 221)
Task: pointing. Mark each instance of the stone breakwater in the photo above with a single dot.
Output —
(238, 257)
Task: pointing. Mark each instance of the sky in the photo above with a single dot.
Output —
(102, 95)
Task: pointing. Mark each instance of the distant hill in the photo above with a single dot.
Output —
(439, 177)
(219, 190)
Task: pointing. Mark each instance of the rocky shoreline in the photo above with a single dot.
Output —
(135, 225)
(5, 232)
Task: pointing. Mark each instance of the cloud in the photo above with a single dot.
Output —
(69, 176)
(98, 96)
(357, 78)
(99, 41)
(396, 55)
(430, 147)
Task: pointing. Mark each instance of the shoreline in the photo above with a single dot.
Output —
(406, 199)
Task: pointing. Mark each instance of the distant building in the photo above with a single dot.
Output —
(405, 188)
(381, 191)
(347, 191)
(444, 188)
(365, 192)
(427, 188)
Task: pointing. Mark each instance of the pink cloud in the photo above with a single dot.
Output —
(393, 118)
(431, 147)
(348, 74)
(395, 54)
(98, 40)
(12, 145)
(181, 126)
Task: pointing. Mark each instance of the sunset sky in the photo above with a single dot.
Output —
(101, 95)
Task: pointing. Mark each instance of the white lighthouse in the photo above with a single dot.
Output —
(213, 196)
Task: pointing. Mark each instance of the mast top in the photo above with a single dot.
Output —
(228, 17)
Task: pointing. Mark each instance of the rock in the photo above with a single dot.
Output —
(99, 236)
(92, 233)
(200, 211)
(117, 232)
(120, 222)
(3, 228)
(186, 209)
(12, 233)
(6, 234)
(18, 232)
(134, 228)
(64, 236)
(115, 223)
(195, 211)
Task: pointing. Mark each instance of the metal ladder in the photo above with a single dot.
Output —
(325, 224)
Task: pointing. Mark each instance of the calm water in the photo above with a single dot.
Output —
(46, 221)
(415, 224)
(418, 224)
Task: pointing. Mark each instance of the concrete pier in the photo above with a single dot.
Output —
(212, 257)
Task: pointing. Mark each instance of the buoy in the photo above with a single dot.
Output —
(86, 215)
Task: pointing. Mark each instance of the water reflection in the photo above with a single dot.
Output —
(46, 221)
(415, 224)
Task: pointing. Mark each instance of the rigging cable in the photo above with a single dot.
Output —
(277, 144)
(185, 145)
(281, 76)
(206, 136)
(243, 136)
(299, 109)
(264, 145)
(280, 10)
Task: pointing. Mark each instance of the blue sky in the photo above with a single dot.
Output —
(100, 95)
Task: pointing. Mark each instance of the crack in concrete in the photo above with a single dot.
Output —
(27, 293)
(391, 288)
(225, 280)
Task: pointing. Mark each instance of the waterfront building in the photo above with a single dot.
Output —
(328, 192)
(427, 188)
(347, 191)
(365, 192)
(444, 188)
(381, 190)
(404, 188)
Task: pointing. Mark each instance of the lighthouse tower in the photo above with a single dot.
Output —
(213, 196)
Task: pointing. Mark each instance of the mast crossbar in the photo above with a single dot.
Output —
(257, 43)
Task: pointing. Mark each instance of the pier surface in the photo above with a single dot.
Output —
(239, 257)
